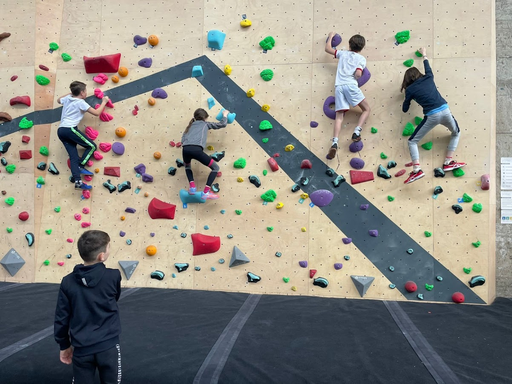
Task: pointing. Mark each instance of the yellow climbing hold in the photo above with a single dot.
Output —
(289, 148)
(304, 196)
(294, 288)
(240, 179)
(265, 107)
(279, 205)
(251, 92)
(210, 148)
(227, 69)
(245, 23)
(303, 229)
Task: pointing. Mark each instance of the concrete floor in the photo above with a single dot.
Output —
(503, 140)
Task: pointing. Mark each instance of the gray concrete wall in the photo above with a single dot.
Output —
(503, 139)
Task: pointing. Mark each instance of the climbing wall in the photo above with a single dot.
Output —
(278, 242)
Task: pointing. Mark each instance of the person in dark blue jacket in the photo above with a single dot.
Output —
(87, 324)
(423, 90)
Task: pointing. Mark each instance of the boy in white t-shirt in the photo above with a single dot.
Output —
(347, 92)
(74, 108)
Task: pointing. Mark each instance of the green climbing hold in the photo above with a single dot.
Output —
(477, 207)
(428, 234)
(467, 270)
(267, 43)
(374, 130)
(269, 196)
(418, 54)
(240, 163)
(476, 244)
(9, 229)
(46, 262)
(467, 198)
(418, 120)
(44, 151)
(265, 140)
(270, 229)
(265, 172)
(56, 209)
(40, 180)
(54, 46)
(383, 155)
(409, 63)
(10, 168)
(458, 172)
(25, 123)
(65, 57)
(408, 130)
(427, 146)
(286, 279)
(265, 125)
(42, 80)
(48, 231)
(429, 287)
(267, 74)
(238, 211)
(402, 37)
(391, 198)
(9, 200)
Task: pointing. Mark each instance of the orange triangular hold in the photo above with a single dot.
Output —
(357, 177)
(107, 63)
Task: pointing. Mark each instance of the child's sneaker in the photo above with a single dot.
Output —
(82, 185)
(453, 165)
(209, 196)
(84, 171)
(413, 176)
(332, 151)
(356, 137)
(192, 191)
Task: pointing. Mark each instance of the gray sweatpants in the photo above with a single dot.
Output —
(445, 118)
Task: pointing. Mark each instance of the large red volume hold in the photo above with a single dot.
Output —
(357, 177)
(107, 63)
(205, 244)
(112, 171)
(158, 209)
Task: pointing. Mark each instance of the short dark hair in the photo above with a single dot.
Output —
(91, 244)
(410, 76)
(357, 43)
(77, 87)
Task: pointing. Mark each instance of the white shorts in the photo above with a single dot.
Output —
(346, 96)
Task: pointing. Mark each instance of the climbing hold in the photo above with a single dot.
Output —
(270, 229)
(439, 278)
(159, 93)
(289, 148)
(303, 264)
(467, 270)
(458, 297)
(346, 240)
(124, 186)
(402, 37)
(77, 216)
(391, 198)
(180, 163)
(238, 212)
(158, 209)
(42, 80)
(438, 190)
(23, 216)
(203, 244)
(269, 196)
(357, 163)
(411, 286)
(420, 296)
(357, 177)
(171, 171)
(265, 125)
(304, 196)
(409, 63)
(295, 188)
(251, 92)
(158, 275)
(383, 156)
(12, 262)
(408, 129)
(336, 40)
(381, 172)
(457, 208)
(392, 286)
(240, 179)
(139, 40)
(267, 43)
(255, 180)
(339, 179)
(24, 139)
(151, 250)
(105, 147)
(373, 232)
(362, 283)
(330, 113)
(56, 209)
(198, 268)
(286, 279)
(321, 197)
(356, 146)
(20, 100)
(410, 251)
(197, 71)
(476, 281)
(459, 172)
(273, 164)
(118, 148)
(230, 236)
(9, 201)
(428, 234)
(303, 229)
(439, 172)
(252, 278)
(4, 146)
(25, 123)
(180, 267)
(267, 74)
(240, 163)
(330, 172)
(44, 151)
(216, 39)
(10, 168)
(374, 130)
(476, 244)
(147, 62)
(477, 207)
(183, 235)
(364, 207)
(30, 238)
(429, 287)
(48, 231)
(53, 169)
(9, 230)
(485, 182)
(65, 57)
(111, 187)
(313, 124)
(391, 268)
(338, 266)
(427, 146)
(466, 198)
(278, 254)
(321, 282)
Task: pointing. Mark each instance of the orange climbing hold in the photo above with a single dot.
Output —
(205, 244)
(158, 209)
(123, 71)
(151, 250)
(120, 132)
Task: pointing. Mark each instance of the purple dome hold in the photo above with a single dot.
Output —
(356, 146)
(357, 163)
(321, 197)
(118, 148)
(146, 62)
(159, 93)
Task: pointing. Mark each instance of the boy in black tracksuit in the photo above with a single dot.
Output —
(87, 324)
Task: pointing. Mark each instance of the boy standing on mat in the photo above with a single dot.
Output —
(422, 88)
(87, 325)
(346, 89)
(74, 108)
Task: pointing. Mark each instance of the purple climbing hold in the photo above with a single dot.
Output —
(357, 163)
(356, 146)
(118, 148)
(321, 197)
(338, 266)
(364, 207)
(336, 40)
(152, 234)
(139, 40)
(147, 178)
(330, 113)
(303, 263)
(146, 62)
(122, 233)
(140, 169)
(313, 124)
(159, 93)
(364, 77)
(373, 232)
(130, 210)
(346, 240)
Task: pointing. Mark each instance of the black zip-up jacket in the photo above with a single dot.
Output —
(424, 92)
(87, 315)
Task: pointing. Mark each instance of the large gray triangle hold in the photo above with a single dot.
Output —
(362, 283)
(238, 258)
(128, 268)
(12, 262)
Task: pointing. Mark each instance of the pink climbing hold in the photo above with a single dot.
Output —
(70, 240)
(78, 217)
(306, 164)
(99, 93)
(105, 147)
(203, 244)
(158, 209)
(60, 263)
(86, 224)
(86, 210)
(89, 163)
(86, 194)
(87, 178)
(100, 78)
(91, 133)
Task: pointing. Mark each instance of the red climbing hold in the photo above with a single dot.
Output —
(172, 143)
(112, 171)
(205, 244)
(306, 164)
(20, 100)
(107, 63)
(458, 297)
(178, 144)
(23, 216)
(357, 177)
(273, 164)
(158, 209)
(25, 154)
(14, 77)
(400, 173)
(411, 286)
(25, 139)
(312, 273)
(44, 67)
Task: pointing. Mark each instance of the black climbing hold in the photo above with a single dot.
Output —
(438, 190)
(30, 238)
(124, 186)
(252, 278)
(477, 280)
(255, 180)
(159, 275)
(218, 156)
(391, 164)
(3, 161)
(171, 171)
(111, 187)
(304, 180)
(457, 208)
(42, 166)
(215, 187)
(53, 169)
(330, 172)
(4, 146)
(321, 282)
(381, 172)
(180, 163)
(439, 172)
(296, 188)
(338, 180)
(181, 267)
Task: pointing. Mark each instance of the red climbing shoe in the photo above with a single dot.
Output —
(413, 176)
(453, 165)
(209, 196)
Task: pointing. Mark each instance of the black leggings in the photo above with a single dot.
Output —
(71, 137)
(108, 363)
(196, 152)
